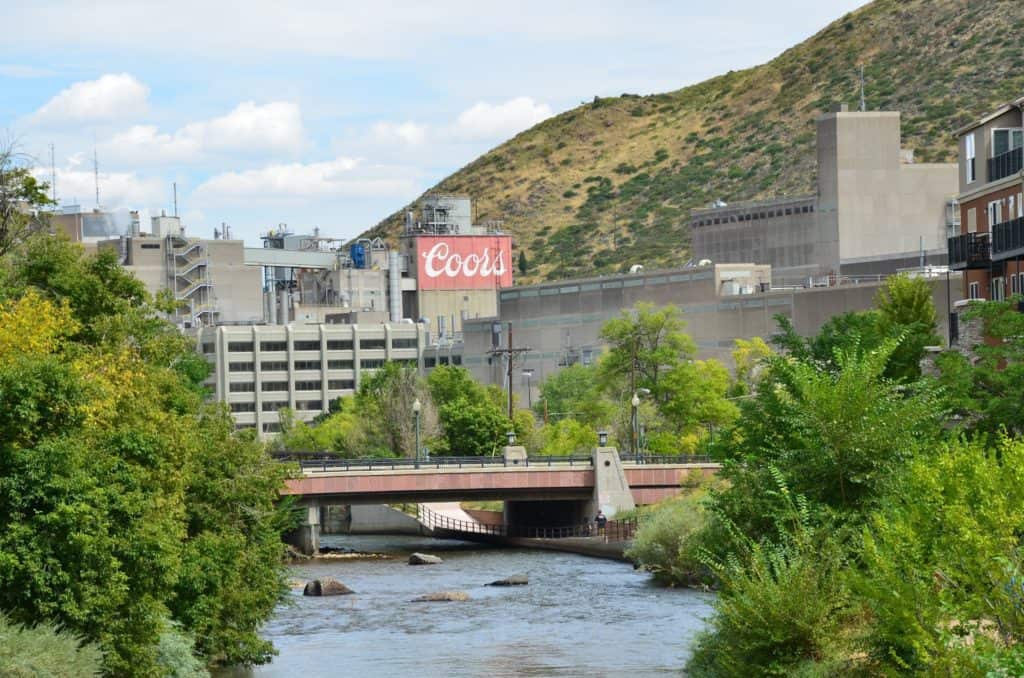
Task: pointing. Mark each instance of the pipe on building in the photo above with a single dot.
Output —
(395, 286)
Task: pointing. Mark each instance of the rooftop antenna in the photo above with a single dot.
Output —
(863, 103)
(175, 185)
(53, 176)
(96, 172)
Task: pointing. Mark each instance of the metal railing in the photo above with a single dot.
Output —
(1007, 236)
(1005, 164)
(314, 462)
(324, 462)
(969, 250)
(613, 530)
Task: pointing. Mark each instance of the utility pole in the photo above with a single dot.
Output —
(510, 353)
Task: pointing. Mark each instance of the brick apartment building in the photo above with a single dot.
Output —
(990, 243)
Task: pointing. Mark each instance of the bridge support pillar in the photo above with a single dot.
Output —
(306, 537)
(611, 489)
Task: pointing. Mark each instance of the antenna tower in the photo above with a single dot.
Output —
(96, 174)
(53, 176)
(863, 103)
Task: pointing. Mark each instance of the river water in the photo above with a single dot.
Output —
(578, 616)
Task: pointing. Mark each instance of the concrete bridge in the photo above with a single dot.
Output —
(548, 491)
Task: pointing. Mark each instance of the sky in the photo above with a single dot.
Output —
(334, 114)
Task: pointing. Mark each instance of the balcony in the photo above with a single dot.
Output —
(970, 250)
(1008, 239)
(1006, 164)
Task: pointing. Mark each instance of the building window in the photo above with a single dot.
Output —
(307, 345)
(341, 384)
(242, 387)
(308, 385)
(371, 364)
(273, 406)
(974, 291)
(456, 360)
(969, 172)
(209, 348)
(243, 427)
(403, 343)
(274, 366)
(339, 344)
(273, 345)
(268, 386)
(995, 214)
(309, 405)
(240, 346)
(340, 364)
(240, 367)
(429, 361)
(972, 220)
(372, 344)
(1006, 140)
(307, 364)
(998, 289)
(243, 407)
(1013, 285)
(272, 427)
(150, 246)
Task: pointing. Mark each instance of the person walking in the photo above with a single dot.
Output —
(600, 520)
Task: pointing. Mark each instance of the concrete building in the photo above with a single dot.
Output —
(91, 227)
(561, 322)
(990, 240)
(260, 369)
(875, 210)
(209, 278)
(456, 266)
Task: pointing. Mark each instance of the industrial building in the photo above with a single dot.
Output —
(560, 323)
(875, 210)
(260, 369)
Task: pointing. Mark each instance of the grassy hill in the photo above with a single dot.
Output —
(611, 183)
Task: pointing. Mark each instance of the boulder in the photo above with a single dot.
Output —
(514, 580)
(443, 597)
(326, 587)
(424, 559)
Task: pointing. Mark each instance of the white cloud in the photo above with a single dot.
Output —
(332, 178)
(490, 121)
(117, 189)
(408, 132)
(111, 97)
(249, 128)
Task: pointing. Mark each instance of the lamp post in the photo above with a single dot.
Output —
(635, 425)
(416, 407)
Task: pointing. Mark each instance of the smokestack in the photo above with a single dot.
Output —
(395, 286)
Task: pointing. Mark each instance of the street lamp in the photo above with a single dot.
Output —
(529, 389)
(416, 407)
(634, 425)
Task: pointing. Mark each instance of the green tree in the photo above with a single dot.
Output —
(44, 650)
(567, 437)
(384, 402)
(643, 345)
(473, 428)
(574, 392)
(524, 265)
(21, 195)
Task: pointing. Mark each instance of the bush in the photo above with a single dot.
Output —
(666, 545)
(44, 650)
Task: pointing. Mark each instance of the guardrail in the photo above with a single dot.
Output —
(613, 530)
(318, 461)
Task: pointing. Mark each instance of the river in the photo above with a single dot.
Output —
(578, 616)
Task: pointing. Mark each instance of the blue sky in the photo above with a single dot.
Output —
(335, 114)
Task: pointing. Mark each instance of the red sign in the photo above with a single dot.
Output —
(464, 262)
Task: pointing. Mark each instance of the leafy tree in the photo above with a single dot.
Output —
(44, 650)
(749, 356)
(567, 437)
(472, 428)
(574, 392)
(644, 344)
(524, 265)
(20, 194)
(385, 401)
(449, 383)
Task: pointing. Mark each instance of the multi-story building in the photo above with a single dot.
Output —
(261, 369)
(990, 241)
(875, 210)
(209, 278)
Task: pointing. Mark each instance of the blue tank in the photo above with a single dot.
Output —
(358, 253)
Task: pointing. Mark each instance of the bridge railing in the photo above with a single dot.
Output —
(325, 463)
(613, 531)
(664, 458)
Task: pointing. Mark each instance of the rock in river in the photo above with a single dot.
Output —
(424, 559)
(326, 587)
(443, 597)
(514, 580)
